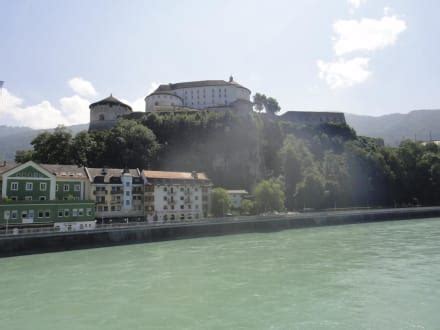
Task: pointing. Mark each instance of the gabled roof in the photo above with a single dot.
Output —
(191, 84)
(239, 191)
(107, 175)
(111, 100)
(65, 171)
(6, 166)
(175, 175)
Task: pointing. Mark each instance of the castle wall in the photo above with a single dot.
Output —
(313, 118)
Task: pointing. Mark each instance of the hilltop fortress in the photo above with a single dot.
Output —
(195, 96)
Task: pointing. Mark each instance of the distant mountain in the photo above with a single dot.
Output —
(19, 138)
(396, 127)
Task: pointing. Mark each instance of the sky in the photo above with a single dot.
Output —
(369, 57)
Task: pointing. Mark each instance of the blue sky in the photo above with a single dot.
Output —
(357, 56)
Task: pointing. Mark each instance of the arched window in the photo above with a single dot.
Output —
(101, 117)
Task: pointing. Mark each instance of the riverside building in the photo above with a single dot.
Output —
(45, 195)
(118, 193)
(171, 196)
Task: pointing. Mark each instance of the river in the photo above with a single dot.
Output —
(367, 276)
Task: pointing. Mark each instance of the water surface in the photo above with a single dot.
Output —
(370, 276)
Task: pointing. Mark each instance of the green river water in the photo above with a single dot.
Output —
(369, 276)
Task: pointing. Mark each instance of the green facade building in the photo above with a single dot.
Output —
(45, 195)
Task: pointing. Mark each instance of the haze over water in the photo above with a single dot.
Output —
(371, 276)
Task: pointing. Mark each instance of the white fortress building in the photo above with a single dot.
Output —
(216, 95)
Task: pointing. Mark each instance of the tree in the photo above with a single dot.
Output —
(131, 144)
(247, 207)
(53, 148)
(310, 192)
(271, 105)
(23, 156)
(220, 202)
(269, 196)
(259, 102)
(83, 146)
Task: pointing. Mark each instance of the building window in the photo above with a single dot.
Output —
(28, 198)
(165, 207)
(164, 188)
(24, 214)
(66, 187)
(42, 198)
(14, 198)
(43, 186)
(7, 214)
(164, 198)
(127, 193)
(77, 187)
(57, 187)
(66, 212)
(14, 214)
(89, 212)
(127, 203)
(196, 198)
(40, 214)
(75, 212)
(181, 198)
(127, 184)
(29, 186)
(60, 213)
(14, 186)
(181, 207)
(197, 206)
(47, 213)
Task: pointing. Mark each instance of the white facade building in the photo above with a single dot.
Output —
(236, 197)
(198, 95)
(172, 196)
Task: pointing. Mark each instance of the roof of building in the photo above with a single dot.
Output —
(201, 83)
(175, 175)
(6, 166)
(239, 191)
(111, 100)
(65, 171)
(109, 175)
(60, 171)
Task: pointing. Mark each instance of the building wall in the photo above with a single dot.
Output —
(105, 116)
(45, 212)
(110, 200)
(175, 201)
(203, 97)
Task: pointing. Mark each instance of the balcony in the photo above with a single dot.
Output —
(114, 192)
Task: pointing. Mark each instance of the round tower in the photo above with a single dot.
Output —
(105, 113)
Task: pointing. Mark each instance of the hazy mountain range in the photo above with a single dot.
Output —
(393, 128)
(19, 138)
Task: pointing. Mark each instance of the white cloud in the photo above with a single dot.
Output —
(344, 73)
(72, 110)
(366, 34)
(82, 87)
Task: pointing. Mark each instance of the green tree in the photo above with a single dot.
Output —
(53, 148)
(269, 196)
(271, 105)
(247, 207)
(131, 144)
(310, 192)
(259, 102)
(23, 156)
(220, 202)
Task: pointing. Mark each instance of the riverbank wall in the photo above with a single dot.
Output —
(51, 242)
